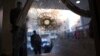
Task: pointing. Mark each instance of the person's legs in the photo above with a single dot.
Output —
(39, 50)
(35, 50)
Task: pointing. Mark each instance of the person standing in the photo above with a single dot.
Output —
(14, 13)
(36, 42)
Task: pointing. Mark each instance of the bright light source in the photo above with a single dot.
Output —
(46, 22)
(30, 30)
(77, 2)
(60, 15)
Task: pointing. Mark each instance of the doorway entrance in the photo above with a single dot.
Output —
(60, 29)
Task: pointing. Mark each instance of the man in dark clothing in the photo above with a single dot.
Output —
(14, 13)
(36, 42)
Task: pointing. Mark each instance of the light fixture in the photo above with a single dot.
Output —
(77, 2)
(46, 22)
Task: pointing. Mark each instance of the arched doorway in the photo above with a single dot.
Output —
(54, 18)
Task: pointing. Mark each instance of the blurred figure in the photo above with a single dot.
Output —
(14, 13)
(77, 33)
(91, 29)
(36, 42)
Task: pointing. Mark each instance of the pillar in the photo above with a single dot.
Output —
(1, 14)
(6, 44)
(95, 12)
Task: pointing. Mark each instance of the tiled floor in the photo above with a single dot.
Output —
(72, 47)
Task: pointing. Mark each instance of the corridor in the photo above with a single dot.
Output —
(71, 47)
(53, 20)
(47, 17)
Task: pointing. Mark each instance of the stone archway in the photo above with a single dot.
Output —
(76, 9)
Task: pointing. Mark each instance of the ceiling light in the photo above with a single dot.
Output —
(46, 22)
(77, 2)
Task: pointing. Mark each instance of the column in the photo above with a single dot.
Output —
(6, 44)
(95, 12)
